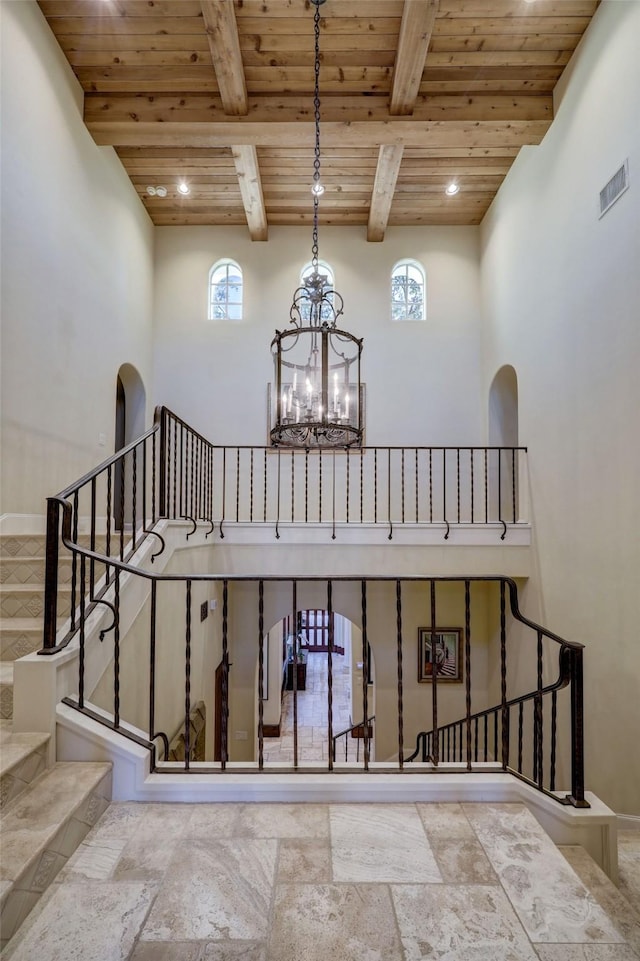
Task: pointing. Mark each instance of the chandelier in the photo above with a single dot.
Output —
(317, 398)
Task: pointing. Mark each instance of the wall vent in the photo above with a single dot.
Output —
(615, 188)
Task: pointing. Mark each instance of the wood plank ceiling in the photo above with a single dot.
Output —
(415, 94)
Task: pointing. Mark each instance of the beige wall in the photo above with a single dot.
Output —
(423, 378)
(561, 297)
(77, 268)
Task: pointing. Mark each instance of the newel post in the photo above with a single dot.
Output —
(51, 574)
(577, 731)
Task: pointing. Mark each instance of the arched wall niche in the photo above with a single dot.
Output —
(503, 408)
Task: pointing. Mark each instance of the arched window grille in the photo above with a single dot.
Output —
(408, 291)
(225, 291)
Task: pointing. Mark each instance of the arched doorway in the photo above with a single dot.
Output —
(129, 424)
(310, 690)
(503, 432)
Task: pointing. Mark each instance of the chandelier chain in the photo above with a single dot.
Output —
(316, 158)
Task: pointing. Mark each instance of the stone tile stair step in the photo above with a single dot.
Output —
(6, 690)
(20, 636)
(31, 570)
(27, 600)
(42, 828)
(23, 757)
(622, 908)
(34, 545)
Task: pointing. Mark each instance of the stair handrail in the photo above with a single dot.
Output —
(348, 730)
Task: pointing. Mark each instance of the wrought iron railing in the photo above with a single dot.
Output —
(359, 732)
(173, 472)
(564, 734)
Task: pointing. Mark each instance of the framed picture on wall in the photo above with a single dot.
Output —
(447, 654)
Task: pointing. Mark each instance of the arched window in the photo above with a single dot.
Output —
(225, 291)
(408, 291)
(305, 309)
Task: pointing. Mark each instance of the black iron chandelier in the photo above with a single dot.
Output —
(317, 401)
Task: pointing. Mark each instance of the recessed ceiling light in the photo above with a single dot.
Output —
(183, 188)
(151, 191)
(452, 189)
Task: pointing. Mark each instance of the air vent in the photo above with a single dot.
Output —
(615, 188)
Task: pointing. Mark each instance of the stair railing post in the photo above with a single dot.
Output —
(51, 574)
(164, 462)
(577, 730)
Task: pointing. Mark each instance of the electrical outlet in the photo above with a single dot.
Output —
(204, 611)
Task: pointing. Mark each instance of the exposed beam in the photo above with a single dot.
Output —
(399, 131)
(418, 18)
(246, 161)
(224, 44)
(389, 160)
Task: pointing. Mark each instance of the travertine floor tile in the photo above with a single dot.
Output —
(92, 921)
(549, 898)
(283, 821)
(235, 951)
(445, 820)
(334, 922)
(304, 861)
(462, 861)
(215, 890)
(459, 923)
(380, 842)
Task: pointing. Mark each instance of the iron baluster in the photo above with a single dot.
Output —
(430, 486)
(116, 651)
(365, 678)
(503, 678)
(375, 485)
(134, 496)
(434, 674)
(295, 673)
(92, 540)
(467, 657)
(224, 712)
(152, 660)
(237, 484)
(538, 713)
(224, 489)
(187, 681)
(520, 733)
(361, 486)
(51, 575)
(475, 741)
(82, 632)
(554, 719)
(513, 484)
(264, 501)
(121, 507)
(417, 487)
(175, 466)
(74, 569)
(278, 499)
(486, 737)
(486, 486)
(333, 493)
(293, 487)
(306, 485)
(458, 479)
(260, 675)
(320, 483)
(251, 488)
(108, 540)
(399, 663)
(495, 735)
(472, 459)
(330, 750)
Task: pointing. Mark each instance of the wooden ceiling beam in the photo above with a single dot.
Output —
(453, 134)
(246, 161)
(389, 160)
(224, 44)
(418, 18)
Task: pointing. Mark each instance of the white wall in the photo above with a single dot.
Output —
(77, 263)
(561, 292)
(423, 380)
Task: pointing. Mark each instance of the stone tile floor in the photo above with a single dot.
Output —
(329, 882)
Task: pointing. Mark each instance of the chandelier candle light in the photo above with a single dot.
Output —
(317, 365)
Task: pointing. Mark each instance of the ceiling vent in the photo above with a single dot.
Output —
(615, 188)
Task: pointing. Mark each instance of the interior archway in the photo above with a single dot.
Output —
(503, 432)
(130, 414)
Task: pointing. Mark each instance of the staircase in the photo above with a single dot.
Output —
(45, 811)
